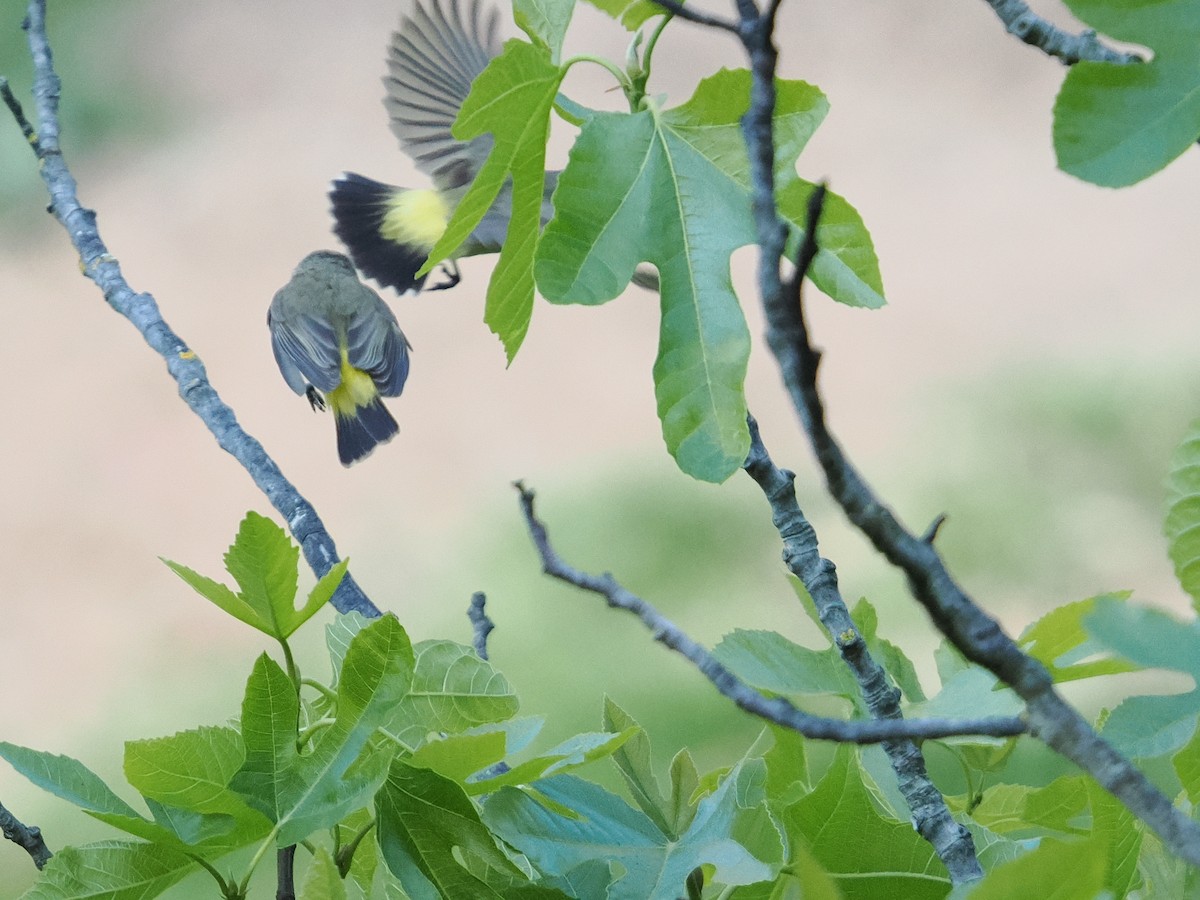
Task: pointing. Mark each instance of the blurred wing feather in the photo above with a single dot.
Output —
(432, 60)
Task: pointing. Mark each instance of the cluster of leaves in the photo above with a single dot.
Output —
(409, 776)
(669, 187)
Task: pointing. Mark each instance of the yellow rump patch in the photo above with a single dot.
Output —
(356, 390)
(415, 217)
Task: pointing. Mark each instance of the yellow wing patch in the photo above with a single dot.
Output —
(415, 218)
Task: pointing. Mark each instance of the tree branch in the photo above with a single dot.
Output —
(930, 815)
(481, 625)
(979, 637)
(27, 836)
(1031, 28)
(141, 309)
(773, 709)
(693, 15)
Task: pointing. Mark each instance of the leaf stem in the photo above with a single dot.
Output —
(266, 845)
(228, 890)
(649, 51)
(622, 77)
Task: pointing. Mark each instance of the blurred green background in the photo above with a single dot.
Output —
(1029, 380)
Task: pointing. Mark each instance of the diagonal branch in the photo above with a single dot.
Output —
(694, 15)
(773, 709)
(1024, 23)
(979, 637)
(141, 309)
(28, 837)
(930, 815)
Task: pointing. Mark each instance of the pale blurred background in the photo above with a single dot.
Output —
(1030, 378)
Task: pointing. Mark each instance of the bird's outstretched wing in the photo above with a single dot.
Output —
(435, 55)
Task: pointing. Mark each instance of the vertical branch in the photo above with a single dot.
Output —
(930, 815)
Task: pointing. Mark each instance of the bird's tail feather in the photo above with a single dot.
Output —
(364, 429)
(360, 206)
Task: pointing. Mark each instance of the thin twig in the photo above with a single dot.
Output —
(978, 636)
(930, 815)
(141, 309)
(1031, 28)
(27, 836)
(481, 625)
(773, 709)
(693, 15)
(14, 106)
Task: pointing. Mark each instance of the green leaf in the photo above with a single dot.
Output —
(969, 693)
(1021, 810)
(1117, 124)
(452, 690)
(1116, 828)
(1059, 641)
(630, 13)
(269, 732)
(512, 99)
(1163, 873)
(265, 564)
(1040, 873)
(321, 593)
(894, 660)
(770, 662)
(338, 635)
(218, 594)
(304, 793)
(846, 268)
(634, 763)
(545, 21)
(730, 827)
(322, 880)
(458, 756)
(65, 778)
(422, 819)
(113, 870)
(1187, 767)
(803, 879)
(366, 855)
(685, 782)
(787, 766)
(571, 754)
(867, 853)
(670, 188)
(185, 780)
(1149, 726)
(1182, 523)
(189, 770)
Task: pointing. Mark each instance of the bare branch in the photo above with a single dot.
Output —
(141, 309)
(480, 623)
(692, 15)
(773, 709)
(14, 106)
(27, 836)
(979, 637)
(1031, 28)
(951, 841)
